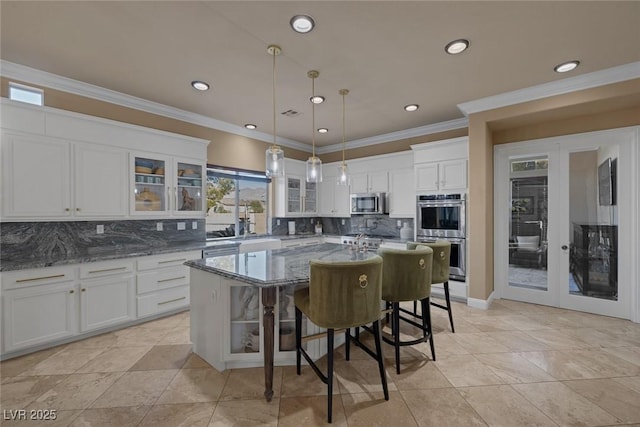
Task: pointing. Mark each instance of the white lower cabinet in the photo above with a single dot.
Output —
(106, 302)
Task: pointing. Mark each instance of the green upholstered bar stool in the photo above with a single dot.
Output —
(440, 273)
(341, 295)
(406, 276)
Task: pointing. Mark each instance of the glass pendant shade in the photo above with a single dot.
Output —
(314, 169)
(343, 178)
(274, 161)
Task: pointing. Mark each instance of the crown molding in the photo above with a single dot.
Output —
(23, 73)
(559, 87)
(396, 136)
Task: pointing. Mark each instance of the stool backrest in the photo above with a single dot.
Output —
(345, 294)
(441, 258)
(406, 274)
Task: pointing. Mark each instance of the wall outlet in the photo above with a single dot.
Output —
(100, 229)
(194, 225)
(343, 221)
(182, 226)
(398, 223)
(277, 221)
(312, 220)
(158, 226)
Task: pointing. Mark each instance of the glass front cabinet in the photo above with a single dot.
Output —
(163, 185)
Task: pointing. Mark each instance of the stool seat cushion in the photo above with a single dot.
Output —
(406, 274)
(342, 294)
(441, 258)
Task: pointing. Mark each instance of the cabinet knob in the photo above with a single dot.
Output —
(564, 247)
(71, 291)
(67, 209)
(78, 209)
(83, 289)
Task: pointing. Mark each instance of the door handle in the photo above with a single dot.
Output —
(564, 247)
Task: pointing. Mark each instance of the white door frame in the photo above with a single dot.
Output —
(628, 243)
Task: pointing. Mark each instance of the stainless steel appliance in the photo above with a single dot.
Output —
(360, 242)
(457, 262)
(368, 203)
(442, 216)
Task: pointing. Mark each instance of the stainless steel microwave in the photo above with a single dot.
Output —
(369, 203)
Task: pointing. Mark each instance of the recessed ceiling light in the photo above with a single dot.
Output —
(411, 107)
(302, 23)
(200, 85)
(566, 66)
(323, 130)
(457, 46)
(250, 126)
(317, 99)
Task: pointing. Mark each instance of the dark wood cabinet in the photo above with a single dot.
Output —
(594, 259)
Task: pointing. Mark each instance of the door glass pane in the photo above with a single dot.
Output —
(593, 261)
(528, 223)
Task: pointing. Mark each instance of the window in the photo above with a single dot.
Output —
(22, 93)
(237, 202)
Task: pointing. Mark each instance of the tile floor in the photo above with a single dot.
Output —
(513, 365)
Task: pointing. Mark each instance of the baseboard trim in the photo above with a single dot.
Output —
(481, 303)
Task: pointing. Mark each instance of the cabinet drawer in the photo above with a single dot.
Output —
(161, 301)
(106, 268)
(169, 260)
(37, 276)
(162, 279)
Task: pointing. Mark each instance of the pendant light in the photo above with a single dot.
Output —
(314, 165)
(274, 155)
(343, 179)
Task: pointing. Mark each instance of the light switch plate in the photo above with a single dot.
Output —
(100, 229)
(277, 222)
(158, 226)
(182, 226)
(343, 222)
(194, 225)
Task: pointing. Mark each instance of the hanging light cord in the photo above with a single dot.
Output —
(343, 92)
(313, 118)
(274, 98)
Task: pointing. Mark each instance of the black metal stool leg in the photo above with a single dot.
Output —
(347, 343)
(298, 338)
(380, 358)
(395, 327)
(329, 373)
(446, 295)
(426, 307)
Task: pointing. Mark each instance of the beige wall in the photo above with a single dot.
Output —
(605, 107)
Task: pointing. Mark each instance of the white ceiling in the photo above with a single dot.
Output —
(388, 54)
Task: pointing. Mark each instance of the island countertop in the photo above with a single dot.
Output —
(276, 267)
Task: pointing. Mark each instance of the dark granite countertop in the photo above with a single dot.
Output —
(276, 267)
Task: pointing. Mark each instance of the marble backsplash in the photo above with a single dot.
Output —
(41, 244)
(372, 225)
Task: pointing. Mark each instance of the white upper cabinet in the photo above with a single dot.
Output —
(334, 198)
(370, 182)
(402, 194)
(293, 195)
(441, 167)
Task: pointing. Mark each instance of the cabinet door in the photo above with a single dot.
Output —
(36, 180)
(453, 175)
(151, 178)
(101, 179)
(341, 201)
(378, 182)
(294, 194)
(402, 198)
(244, 331)
(38, 315)
(188, 197)
(359, 183)
(427, 177)
(310, 197)
(106, 302)
(325, 202)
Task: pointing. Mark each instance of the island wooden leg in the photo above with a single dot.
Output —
(268, 301)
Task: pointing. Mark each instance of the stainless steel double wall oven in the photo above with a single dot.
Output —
(442, 216)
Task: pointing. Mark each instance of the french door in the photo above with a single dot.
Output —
(565, 222)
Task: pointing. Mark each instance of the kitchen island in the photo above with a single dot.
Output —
(269, 272)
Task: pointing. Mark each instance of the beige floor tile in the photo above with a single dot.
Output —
(370, 409)
(248, 383)
(310, 411)
(178, 335)
(64, 362)
(194, 361)
(180, 415)
(99, 341)
(524, 323)
(138, 336)
(110, 417)
(615, 398)
(164, 323)
(246, 413)
(358, 376)
(558, 340)
(518, 341)
(605, 364)
(194, 385)
(479, 343)
(307, 383)
(115, 359)
(503, 406)
(630, 354)
(443, 407)
(18, 365)
(163, 357)
(632, 382)
(466, 370)
(563, 405)
(77, 391)
(136, 388)
(417, 374)
(599, 338)
(513, 368)
(445, 344)
(55, 419)
(561, 365)
(19, 392)
(490, 323)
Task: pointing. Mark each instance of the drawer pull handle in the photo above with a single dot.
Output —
(107, 269)
(173, 278)
(39, 278)
(172, 300)
(172, 260)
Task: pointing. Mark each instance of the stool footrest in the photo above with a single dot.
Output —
(315, 368)
(404, 343)
(440, 306)
(359, 343)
